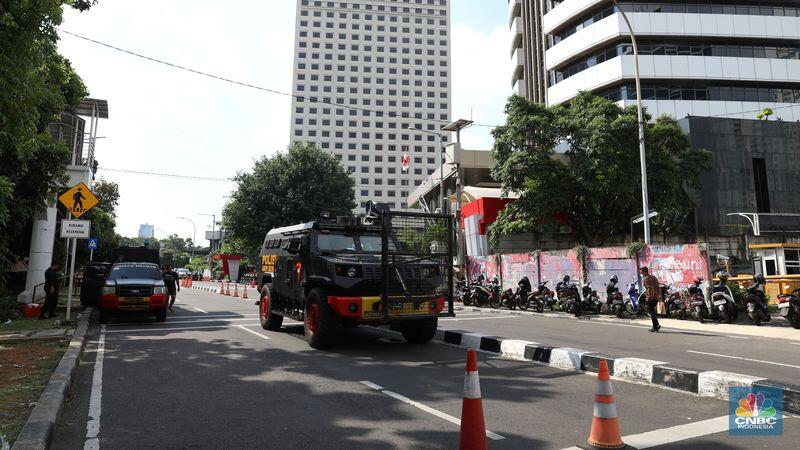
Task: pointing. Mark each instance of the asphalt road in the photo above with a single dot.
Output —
(707, 350)
(210, 377)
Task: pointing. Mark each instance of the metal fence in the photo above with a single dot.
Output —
(417, 256)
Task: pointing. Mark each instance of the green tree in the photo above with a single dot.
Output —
(36, 85)
(107, 192)
(285, 189)
(594, 188)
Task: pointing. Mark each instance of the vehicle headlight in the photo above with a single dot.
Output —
(426, 272)
(109, 290)
(160, 290)
(349, 271)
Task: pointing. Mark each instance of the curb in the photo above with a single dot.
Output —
(38, 430)
(713, 383)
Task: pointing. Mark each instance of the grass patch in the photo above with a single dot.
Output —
(25, 368)
(29, 324)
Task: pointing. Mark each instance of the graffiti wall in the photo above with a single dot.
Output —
(514, 267)
(676, 264)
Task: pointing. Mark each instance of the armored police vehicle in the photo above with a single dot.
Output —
(385, 268)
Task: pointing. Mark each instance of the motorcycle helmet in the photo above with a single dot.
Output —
(566, 278)
(759, 279)
(723, 276)
(614, 279)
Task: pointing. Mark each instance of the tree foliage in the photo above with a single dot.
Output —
(36, 85)
(107, 192)
(285, 189)
(594, 187)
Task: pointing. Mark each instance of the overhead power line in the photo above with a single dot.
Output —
(164, 175)
(236, 82)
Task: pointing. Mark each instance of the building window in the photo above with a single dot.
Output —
(761, 185)
(792, 257)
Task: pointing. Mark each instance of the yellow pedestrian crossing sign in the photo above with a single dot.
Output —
(78, 199)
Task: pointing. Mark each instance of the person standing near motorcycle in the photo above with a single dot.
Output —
(653, 294)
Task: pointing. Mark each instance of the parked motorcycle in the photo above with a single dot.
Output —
(697, 300)
(722, 300)
(590, 301)
(789, 305)
(462, 292)
(524, 296)
(674, 303)
(756, 301)
(614, 300)
(494, 292)
(479, 294)
(635, 304)
(544, 297)
(569, 296)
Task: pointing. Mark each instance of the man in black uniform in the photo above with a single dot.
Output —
(171, 282)
(51, 285)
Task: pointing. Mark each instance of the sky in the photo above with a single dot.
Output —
(164, 120)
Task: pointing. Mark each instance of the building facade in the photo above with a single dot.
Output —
(371, 83)
(528, 74)
(700, 58)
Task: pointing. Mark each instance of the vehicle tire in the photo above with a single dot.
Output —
(161, 315)
(103, 316)
(756, 318)
(523, 304)
(539, 307)
(767, 316)
(419, 331)
(795, 320)
(494, 302)
(269, 321)
(620, 311)
(725, 316)
(467, 300)
(629, 307)
(599, 308)
(698, 314)
(320, 324)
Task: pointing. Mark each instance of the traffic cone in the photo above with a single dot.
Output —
(253, 283)
(222, 289)
(190, 282)
(605, 425)
(228, 289)
(473, 429)
(244, 294)
(236, 290)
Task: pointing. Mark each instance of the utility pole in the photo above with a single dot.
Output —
(213, 229)
(457, 126)
(642, 156)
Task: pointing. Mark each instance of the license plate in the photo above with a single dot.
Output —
(135, 300)
(719, 302)
(783, 305)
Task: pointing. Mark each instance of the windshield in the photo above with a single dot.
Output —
(372, 244)
(123, 272)
(336, 243)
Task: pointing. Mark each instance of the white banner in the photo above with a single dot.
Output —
(76, 229)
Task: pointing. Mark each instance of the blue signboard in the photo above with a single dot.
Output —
(92, 243)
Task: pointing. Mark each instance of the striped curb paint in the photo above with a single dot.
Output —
(662, 374)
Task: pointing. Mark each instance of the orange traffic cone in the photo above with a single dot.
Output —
(236, 290)
(605, 425)
(222, 289)
(189, 283)
(244, 293)
(228, 289)
(473, 429)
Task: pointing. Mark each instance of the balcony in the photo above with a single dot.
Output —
(514, 10)
(518, 65)
(517, 34)
(71, 131)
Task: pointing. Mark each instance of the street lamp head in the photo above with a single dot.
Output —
(459, 124)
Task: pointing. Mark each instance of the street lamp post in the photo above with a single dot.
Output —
(642, 156)
(441, 164)
(213, 229)
(194, 234)
(457, 126)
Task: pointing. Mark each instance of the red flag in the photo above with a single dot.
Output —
(405, 160)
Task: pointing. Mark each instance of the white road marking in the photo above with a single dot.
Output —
(157, 329)
(745, 359)
(198, 309)
(426, 408)
(95, 400)
(185, 322)
(479, 318)
(795, 343)
(675, 434)
(210, 316)
(262, 336)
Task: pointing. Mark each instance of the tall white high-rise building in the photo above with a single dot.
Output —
(372, 83)
(721, 58)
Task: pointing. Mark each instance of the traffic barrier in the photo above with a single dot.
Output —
(473, 428)
(244, 292)
(236, 290)
(605, 432)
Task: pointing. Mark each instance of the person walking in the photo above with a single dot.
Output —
(51, 286)
(171, 283)
(653, 294)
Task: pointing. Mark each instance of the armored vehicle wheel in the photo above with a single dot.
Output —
(269, 321)
(321, 325)
(419, 331)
